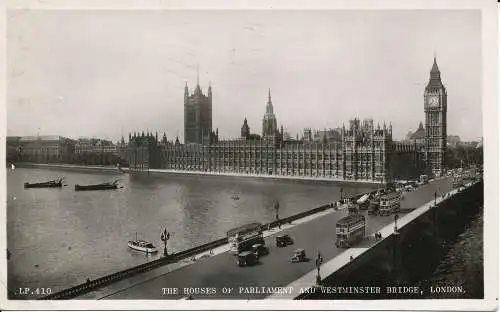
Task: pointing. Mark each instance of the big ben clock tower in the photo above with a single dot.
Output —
(435, 106)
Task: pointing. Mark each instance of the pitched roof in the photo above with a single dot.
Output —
(419, 134)
(435, 77)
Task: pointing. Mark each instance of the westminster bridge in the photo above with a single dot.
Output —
(210, 271)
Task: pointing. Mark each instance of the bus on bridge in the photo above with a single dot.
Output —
(351, 229)
(244, 237)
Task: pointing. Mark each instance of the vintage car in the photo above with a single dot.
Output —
(247, 258)
(283, 240)
(299, 255)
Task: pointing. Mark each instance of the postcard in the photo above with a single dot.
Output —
(250, 156)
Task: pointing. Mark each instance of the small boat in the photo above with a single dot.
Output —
(52, 183)
(97, 187)
(142, 245)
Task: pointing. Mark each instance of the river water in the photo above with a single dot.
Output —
(463, 263)
(58, 238)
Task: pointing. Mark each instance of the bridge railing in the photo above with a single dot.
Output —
(111, 278)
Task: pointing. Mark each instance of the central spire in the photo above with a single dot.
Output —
(198, 74)
(269, 106)
(435, 68)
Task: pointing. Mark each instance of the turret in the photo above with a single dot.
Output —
(269, 106)
(210, 91)
(245, 130)
(186, 91)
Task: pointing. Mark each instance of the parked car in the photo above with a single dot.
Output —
(283, 240)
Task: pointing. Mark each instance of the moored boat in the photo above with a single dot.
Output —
(48, 184)
(142, 245)
(97, 187)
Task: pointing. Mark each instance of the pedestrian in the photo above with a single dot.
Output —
(352, 258)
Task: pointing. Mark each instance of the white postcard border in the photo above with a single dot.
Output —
(490, 132)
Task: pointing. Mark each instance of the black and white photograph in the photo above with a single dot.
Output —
(175, 155)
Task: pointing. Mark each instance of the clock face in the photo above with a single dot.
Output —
(433, 101)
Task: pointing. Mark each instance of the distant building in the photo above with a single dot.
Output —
(453, 140)
(13, 148)
(46, 149)
(419, 135)
(480, 143)
(85, 145)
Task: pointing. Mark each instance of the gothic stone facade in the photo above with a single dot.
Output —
(363, 154)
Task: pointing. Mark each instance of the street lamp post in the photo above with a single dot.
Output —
(165, 236)
(276, 209)
(319, 261)
(396, 216)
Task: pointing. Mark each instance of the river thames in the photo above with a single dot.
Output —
(58, 238)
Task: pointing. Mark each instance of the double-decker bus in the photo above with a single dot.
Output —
(242, 238)
(351, 229)
(389, 203)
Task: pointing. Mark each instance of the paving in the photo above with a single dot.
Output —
(218, 276)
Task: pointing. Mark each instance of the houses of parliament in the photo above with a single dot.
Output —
(360, 151)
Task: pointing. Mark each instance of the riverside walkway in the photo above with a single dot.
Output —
(213, 273)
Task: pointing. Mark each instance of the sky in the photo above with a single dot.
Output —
(107, 73)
